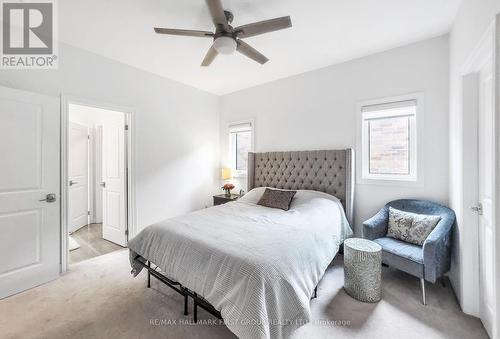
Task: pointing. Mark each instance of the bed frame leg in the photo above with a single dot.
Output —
(186, 303)
(195, 309)
(149, 274)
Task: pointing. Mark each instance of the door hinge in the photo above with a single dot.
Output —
(126, 127)
(88, 136)
(88, 212)
(126, 232)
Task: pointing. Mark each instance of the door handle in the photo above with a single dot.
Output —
(51, 197)
(478, 209)
(71, 182)
(103, 184)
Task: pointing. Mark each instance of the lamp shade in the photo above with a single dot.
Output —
(226, 174)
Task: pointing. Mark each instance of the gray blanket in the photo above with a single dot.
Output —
(258, 266)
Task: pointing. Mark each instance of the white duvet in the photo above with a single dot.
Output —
(257, 265)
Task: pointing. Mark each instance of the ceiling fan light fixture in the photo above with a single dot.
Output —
(225, 45)
(228, 39)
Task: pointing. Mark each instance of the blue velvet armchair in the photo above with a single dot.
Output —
(428, 262)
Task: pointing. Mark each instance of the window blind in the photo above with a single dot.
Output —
(244, 127)
(389, 106)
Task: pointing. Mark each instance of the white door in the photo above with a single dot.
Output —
(486, 171)
(78, 173)
(114, 213)
(30, 171)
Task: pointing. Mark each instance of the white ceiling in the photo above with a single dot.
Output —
(324, 32)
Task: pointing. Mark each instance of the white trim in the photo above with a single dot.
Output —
(92, 158)
(63, 185)
(496, 181)
(239, 174)
(131, 203)
(416, 177)
(96, 138)
(481, 52)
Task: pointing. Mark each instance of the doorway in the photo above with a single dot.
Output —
(484, 208)
(97, 183)
(479, 253)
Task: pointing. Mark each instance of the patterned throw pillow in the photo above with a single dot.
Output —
(410, 227)
(277, 199)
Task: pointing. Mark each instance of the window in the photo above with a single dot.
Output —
(240, 143)
(389, 140)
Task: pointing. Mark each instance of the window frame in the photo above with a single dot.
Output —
(415, 177)
(231, 156)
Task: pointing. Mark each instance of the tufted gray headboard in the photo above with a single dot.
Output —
(330, 171)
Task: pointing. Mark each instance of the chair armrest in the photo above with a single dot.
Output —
(376, 226)
(437, 250)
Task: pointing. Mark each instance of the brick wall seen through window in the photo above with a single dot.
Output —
(389, 146)
(389, 140)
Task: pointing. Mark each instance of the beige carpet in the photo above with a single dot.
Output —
(100, 299)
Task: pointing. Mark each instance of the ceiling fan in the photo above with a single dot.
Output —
(227, 39)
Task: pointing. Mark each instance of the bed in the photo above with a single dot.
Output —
(252, 266)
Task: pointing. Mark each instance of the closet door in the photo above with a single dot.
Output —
(114, 213)
(29, 190)
(78, 173)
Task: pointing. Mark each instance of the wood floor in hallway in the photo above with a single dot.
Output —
(91, 244)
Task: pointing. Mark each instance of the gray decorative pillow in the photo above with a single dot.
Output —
(399, 224)
(276, 199)
(411, 227)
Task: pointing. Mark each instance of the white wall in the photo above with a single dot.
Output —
(93, 116)
(472, 21)
(176, 127)
(317, 110)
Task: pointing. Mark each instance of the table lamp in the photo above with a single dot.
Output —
(227, 174)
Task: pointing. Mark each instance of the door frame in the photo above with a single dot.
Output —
(131, 216)
(487, 47)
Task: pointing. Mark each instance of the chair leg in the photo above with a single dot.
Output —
(422, 284)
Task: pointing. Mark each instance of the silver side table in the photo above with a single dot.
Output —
(363, 269)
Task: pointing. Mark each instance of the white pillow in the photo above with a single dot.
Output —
(253, 196)
(300, 197)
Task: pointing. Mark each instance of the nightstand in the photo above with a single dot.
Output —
(222, 199)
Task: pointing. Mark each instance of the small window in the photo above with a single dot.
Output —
(389, 141)
(240, 143)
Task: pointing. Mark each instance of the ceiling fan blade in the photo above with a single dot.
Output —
(262, 27)
(251, 52)
(217, 13)
(186, 32)
(211, 54)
